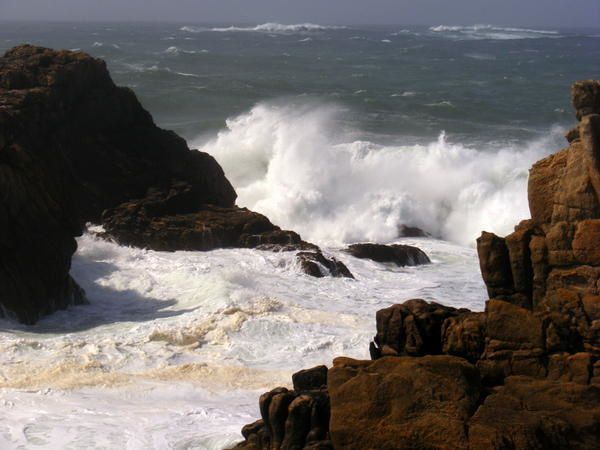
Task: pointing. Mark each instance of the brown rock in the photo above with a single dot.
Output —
(402, 403)
(544, 180)
(586, 97)
(494, 262)
(527, 414)
(464, 336)
(412, 328)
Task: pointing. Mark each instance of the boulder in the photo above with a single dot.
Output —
(401, 255)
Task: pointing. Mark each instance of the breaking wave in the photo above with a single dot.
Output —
(492, 32)
(267, 28)
(296, 164)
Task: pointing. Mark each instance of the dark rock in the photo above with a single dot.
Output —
(310, 379)
(406, 231)
(586, 97)
(73, 145)
(317, 265)
(293, 420)
(413, 328)
(401, 255)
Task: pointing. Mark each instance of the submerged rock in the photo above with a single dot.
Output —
(401, 255)
(317, 265)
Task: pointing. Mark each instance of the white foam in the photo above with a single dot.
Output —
(492, 32)
(296, 164)
(174, 349)
(270, 27)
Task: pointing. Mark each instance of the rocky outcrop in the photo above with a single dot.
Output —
(525, 373)
(74, 147)
(401, 255)
(317, 265)
(296, 419)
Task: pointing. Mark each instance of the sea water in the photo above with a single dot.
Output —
(341, 133)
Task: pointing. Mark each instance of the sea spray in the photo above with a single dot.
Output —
(298, 165)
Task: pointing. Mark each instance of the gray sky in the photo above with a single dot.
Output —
(567, 13)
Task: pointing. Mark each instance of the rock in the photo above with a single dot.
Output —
(402, 403)
(317, 265)
(310, 379)
(293, 420)
(74, 147)
(586, 97)
(401, 255)
(407, 231)
(494, 262)
(525, 373)
(527, 414)
(413, 328)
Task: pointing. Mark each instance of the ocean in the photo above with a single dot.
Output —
(342, 133)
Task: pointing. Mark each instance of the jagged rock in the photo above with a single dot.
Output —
(293, 420)
(402, 403)
(464, 336)
(586, 97)
(317, 265)
(170, 220)
(413, 328)
(401, 255)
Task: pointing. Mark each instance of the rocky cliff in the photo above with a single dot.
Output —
(522, 375)
(74, 147)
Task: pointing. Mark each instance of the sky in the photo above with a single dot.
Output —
(565, 13)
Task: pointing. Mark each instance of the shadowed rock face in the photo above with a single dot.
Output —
(525, 373)
(74, 147)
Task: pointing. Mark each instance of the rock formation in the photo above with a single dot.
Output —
(74, 147)
(401, 255)
(522, 375)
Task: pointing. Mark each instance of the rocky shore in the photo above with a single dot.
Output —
(76, 148)
(522, 375)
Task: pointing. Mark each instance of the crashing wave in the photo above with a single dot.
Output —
(270, 27)
(290, 163)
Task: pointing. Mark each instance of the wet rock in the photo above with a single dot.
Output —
(317, 265)
(401, 255)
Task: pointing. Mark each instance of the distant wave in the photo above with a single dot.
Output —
(270, 27)
(176, 51)
(493, 32)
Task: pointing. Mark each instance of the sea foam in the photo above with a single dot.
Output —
(299, 166)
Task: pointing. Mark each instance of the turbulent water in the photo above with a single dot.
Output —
(340, 133)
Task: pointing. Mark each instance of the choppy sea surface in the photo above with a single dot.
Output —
(341, 133)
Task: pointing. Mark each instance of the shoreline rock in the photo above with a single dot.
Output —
(76, 148)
